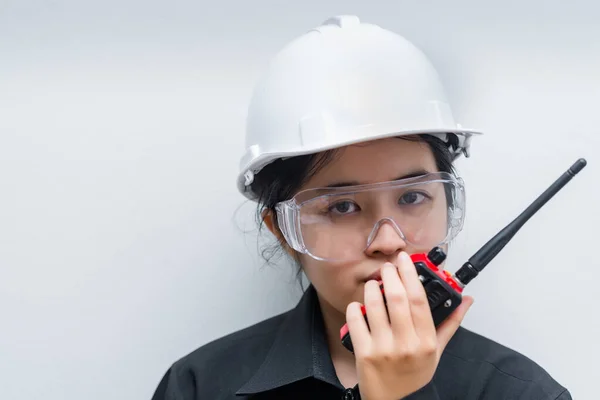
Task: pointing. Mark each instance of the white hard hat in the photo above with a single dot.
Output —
(341, 83)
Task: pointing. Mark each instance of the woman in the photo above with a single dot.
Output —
(350, 150)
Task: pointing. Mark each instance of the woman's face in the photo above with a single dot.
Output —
(339, 283)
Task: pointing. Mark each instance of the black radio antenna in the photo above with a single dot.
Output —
(485, 254)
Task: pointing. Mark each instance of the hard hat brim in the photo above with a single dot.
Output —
(255, 165)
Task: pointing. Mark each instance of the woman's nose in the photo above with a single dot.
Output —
(385, 239)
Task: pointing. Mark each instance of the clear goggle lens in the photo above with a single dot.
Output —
(340, 224)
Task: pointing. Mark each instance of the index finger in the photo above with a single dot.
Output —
(421, 313)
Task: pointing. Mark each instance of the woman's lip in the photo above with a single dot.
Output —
(375, 276)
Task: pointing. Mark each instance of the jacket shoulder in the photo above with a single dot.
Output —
(490, 367)
(257, 335)
(219, 365)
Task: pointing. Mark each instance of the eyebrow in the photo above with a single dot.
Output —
(414, 174)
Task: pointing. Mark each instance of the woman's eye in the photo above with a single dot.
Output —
(343, 207)
(412, 198)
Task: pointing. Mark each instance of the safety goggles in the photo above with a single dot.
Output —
(341, 223)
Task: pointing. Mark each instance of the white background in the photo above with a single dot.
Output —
(122, 236)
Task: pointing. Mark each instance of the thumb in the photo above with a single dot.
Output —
(448, 328)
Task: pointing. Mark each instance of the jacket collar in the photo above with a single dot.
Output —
(299, 350)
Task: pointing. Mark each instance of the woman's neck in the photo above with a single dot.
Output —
(342, 359)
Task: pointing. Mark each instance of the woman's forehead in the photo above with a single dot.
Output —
(377, 161)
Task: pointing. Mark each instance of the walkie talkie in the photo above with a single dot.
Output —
(444, 290)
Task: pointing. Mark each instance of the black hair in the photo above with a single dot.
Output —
(281, 179)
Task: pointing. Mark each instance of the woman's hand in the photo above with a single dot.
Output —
(400, 353)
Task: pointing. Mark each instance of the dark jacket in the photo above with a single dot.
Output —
(287, 357)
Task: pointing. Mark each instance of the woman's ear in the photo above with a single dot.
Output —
(268, 218)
